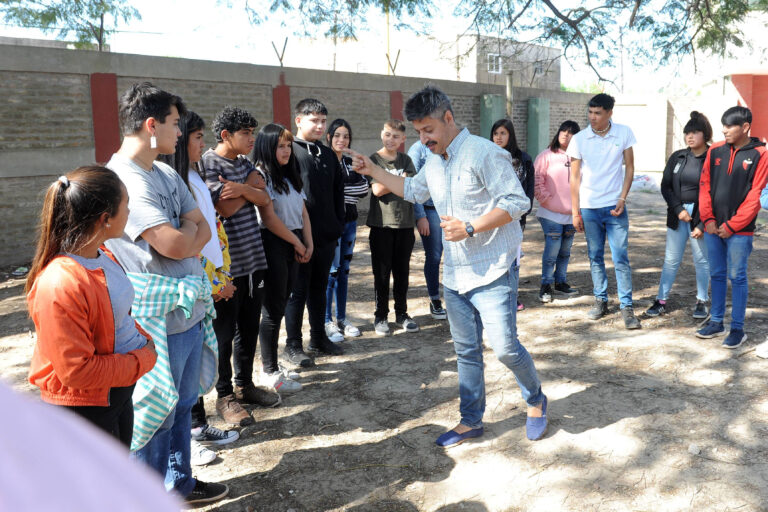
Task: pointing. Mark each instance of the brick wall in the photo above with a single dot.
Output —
(46, 125)
(44, 110)
(20, 202)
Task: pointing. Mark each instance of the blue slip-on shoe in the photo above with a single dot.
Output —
(735, 338)
(535, 428)
(711, 329)
(452, 438)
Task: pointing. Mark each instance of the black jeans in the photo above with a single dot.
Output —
(237, 326)
(391, 255)
(116, 418)
(278, 283)
(309, 288)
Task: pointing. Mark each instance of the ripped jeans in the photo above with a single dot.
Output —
(558, 239)
(338, 279)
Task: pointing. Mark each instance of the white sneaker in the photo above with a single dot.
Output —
(762, 350)
(200, 455)
(333, 332)
(349, 329)
(280, 383)
(288, 373)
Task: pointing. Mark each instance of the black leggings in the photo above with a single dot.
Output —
(116, 418)
(278, 283)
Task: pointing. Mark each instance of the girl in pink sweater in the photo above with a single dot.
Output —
(552, 190)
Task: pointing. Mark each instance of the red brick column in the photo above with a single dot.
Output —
(281, 103)
(106, 126)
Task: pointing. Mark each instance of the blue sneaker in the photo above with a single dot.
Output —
(535, 428)
(735, 338)
(711, 329)
(452, 438)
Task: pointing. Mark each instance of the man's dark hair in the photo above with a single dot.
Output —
(428, 102)
(736, 116)
(395, 124)
(606, 101)
(232, 119)
(699, 123)
(309, 106)
(142, 101)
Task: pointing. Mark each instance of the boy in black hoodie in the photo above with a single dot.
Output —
(324, 187)
(734, 174)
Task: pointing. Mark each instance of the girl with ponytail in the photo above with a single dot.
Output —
(89, 351)
(680, 188)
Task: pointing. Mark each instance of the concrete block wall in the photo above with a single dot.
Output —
(47, 123)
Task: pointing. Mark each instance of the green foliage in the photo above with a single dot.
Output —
(652, 32)
(335, 18)
(90, 21)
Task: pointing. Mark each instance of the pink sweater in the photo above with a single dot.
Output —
(552, 185)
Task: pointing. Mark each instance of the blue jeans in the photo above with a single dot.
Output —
(599, 224)
(729, 257)
(558, 239)
(494, 307)
(338, 280)
(168, 450)
(676, 242)
(433, 252)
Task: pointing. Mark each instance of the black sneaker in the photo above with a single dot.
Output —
(599, 310)
(207, 492)
(325, 346)
(437, 310)
(630, 320)
(700, 311)
(208, 435)
(657, 309)
(297, 356)
(407, 323)
(545, 293)
(566, 289)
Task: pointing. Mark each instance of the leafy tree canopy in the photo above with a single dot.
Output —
(657, 31)
(90, 21)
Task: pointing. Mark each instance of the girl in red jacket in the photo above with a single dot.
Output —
(89, 351)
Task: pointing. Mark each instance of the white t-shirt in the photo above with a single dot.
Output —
(211, 250)
(601, 158)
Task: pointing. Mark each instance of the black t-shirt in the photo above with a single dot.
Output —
(689, 178)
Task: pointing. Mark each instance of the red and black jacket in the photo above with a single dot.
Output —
(731, 182)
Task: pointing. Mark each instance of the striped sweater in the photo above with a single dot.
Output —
(155, 395)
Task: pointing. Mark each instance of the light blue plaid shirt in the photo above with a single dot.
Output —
(477, 177)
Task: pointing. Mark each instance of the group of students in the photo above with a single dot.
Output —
(156, 275)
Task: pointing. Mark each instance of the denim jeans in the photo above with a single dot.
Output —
(309, 289)
(673, 256)
(433, 252)
(599, 224)
(558, 239)
(168, 450)
(338, 279)
(493, 307)
(728, 256)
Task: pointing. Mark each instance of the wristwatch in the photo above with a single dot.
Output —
(470, 229)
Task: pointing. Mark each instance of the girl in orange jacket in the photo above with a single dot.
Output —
(89, 351)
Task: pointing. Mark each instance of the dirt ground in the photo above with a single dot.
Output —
(654, 419)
